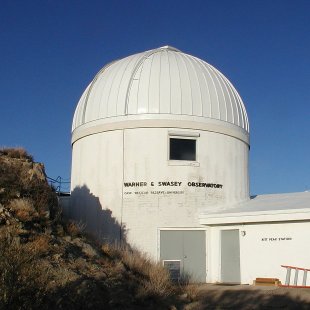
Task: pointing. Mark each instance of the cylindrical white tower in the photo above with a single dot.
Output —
(157, 136)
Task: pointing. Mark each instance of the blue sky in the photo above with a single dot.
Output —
(50, 50)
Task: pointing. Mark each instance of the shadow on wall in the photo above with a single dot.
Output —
(86, 208)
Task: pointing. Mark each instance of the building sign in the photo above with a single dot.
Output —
(164, 187)
(271, 239)
(172, 183)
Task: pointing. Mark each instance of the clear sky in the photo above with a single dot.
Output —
(50, 51)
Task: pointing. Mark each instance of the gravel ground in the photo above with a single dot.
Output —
(248, 297)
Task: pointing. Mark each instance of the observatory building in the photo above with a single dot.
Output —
(160, 146)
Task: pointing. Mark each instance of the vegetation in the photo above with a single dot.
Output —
(23, 281)
(49, 263)
(18, 152)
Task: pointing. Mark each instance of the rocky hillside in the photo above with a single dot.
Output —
(49, 263)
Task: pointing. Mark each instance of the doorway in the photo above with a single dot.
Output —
(230, 256)
(186, 250)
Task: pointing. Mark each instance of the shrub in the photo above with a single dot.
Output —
(39, 245)
(191, 290)
(23, 281)
(23, 209)
(75, 229)
(155, 279)
(10, 182)
(158, 282)
(17, 152)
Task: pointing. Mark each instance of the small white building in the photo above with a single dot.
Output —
(160, 144)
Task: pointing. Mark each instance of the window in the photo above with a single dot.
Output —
(182, 149)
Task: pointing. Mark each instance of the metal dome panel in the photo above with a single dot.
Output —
(162, 81)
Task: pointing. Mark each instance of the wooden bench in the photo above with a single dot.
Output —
(267, 282)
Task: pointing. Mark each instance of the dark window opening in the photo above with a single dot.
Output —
(182, 149)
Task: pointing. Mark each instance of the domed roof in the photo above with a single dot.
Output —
(157, 84)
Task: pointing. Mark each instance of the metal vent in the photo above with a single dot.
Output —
(174, 268)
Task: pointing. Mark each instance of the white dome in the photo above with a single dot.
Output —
(157, 84)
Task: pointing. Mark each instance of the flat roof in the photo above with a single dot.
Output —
(262, 208)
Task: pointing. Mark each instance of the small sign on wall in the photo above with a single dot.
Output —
(276, 239)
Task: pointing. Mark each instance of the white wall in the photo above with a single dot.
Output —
(263, 249)
(99, 164)
(221, 159)
(96, 183)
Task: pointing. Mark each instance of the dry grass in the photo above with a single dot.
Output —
(158, 281)
(22, 278)
(17, 152)
(155, 279)
(40, 245)
(191, 290)
(74, 228)
(44, 199)
(23, 209)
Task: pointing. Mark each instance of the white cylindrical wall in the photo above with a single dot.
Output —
(102, 163)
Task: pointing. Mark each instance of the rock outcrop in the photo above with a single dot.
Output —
(26, 199)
